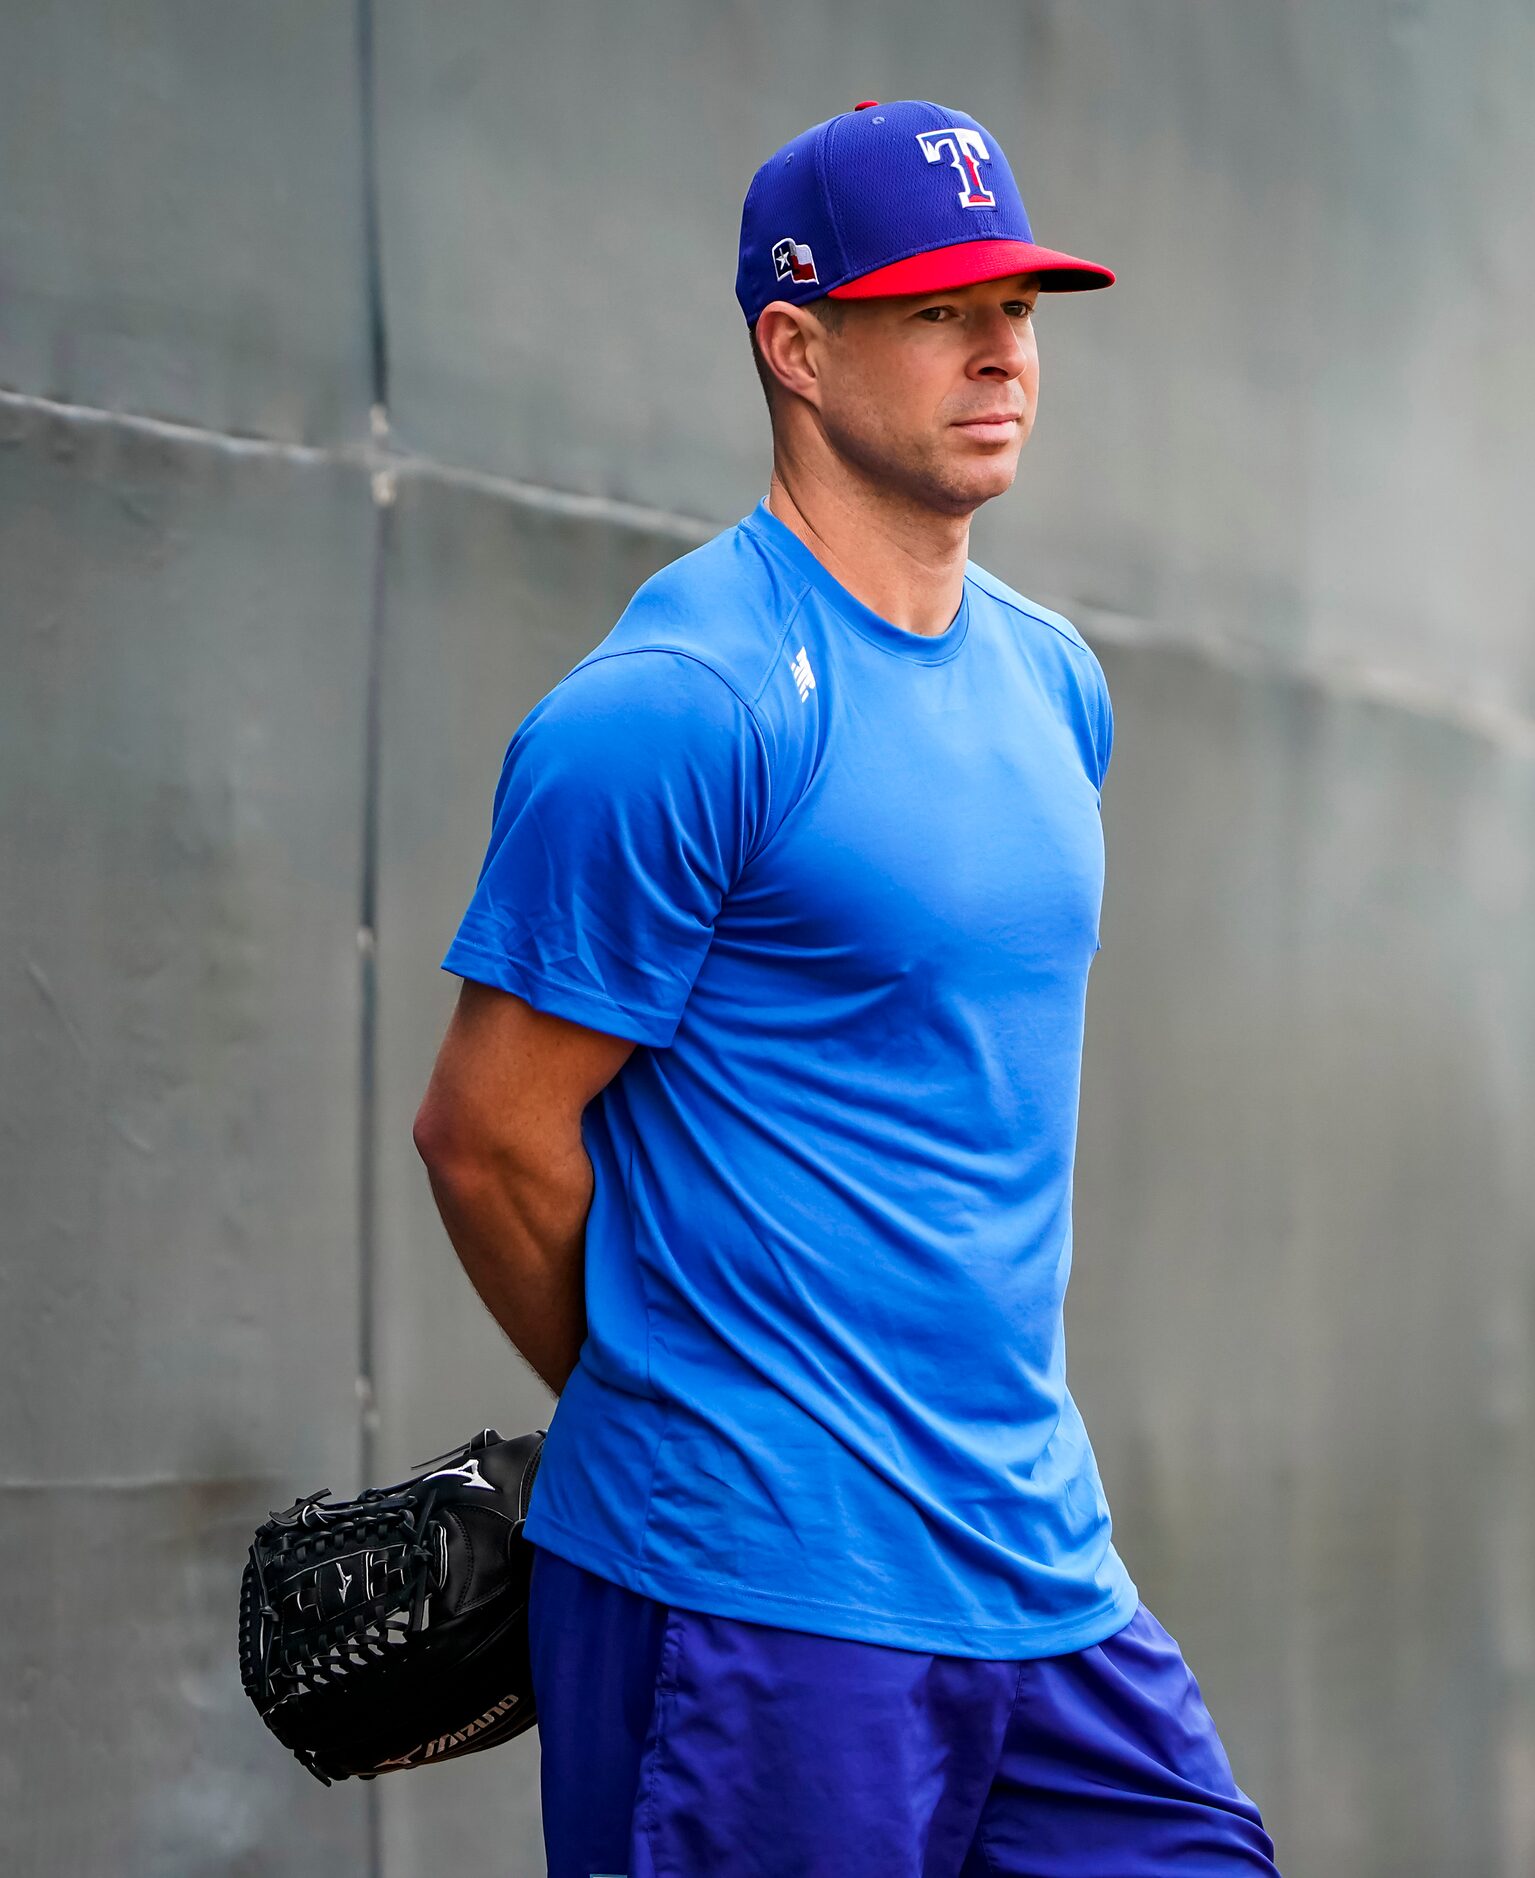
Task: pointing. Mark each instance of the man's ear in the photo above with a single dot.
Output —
(788, 338)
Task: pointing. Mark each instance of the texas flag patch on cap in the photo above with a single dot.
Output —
(792, 260)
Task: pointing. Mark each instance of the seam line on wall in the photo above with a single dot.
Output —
(1502, 726)
(372, 756)
(370, 457)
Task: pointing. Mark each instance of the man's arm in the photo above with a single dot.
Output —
(499, 1129)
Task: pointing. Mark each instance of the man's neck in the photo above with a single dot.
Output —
(903, 562)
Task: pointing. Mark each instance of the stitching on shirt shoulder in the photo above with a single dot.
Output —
(769, 551)
(676, 652)
(780, 642)
(1015, 603)
(746, 704)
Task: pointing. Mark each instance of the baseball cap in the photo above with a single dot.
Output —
(886, 199)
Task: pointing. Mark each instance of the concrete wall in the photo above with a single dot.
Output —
(356, 362)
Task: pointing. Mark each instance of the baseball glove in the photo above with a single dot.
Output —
(391, 1630)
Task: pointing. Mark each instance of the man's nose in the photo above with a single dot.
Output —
(1001, 353)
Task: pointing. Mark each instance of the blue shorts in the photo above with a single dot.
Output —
(676, 1744)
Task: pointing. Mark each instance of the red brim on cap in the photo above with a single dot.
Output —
(969, 261)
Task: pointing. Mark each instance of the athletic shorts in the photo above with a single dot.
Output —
(676, 1744)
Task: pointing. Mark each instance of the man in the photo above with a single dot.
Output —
(755, 1124)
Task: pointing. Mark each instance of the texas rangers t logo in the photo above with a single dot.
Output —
(963, 149)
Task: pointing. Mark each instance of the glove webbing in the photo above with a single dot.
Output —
(284, 1661)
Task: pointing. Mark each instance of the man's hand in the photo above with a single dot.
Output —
(499, 1129)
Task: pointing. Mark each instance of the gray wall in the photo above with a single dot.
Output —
(355, 365)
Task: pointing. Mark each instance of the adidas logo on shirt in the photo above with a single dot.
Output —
(803, 676)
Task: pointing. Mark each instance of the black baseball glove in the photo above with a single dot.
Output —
(391, 1631)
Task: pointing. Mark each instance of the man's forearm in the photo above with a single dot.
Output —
(520, 1233)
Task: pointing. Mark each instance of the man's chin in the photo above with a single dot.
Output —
(981, 482)
(947, 482)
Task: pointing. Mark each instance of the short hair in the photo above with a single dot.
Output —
(831, 313)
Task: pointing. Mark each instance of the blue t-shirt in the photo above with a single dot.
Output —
(842, 882)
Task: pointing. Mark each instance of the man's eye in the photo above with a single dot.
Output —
(932, 313)
(1020, 306)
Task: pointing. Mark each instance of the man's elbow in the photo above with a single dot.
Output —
(441, 1137)
(459, 1144)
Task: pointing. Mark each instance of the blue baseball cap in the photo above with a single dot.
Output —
(887, 199)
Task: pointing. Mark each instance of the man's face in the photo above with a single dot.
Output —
(933, 394)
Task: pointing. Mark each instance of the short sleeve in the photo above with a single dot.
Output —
(1103, 737)
(630, 799)
(1103, 727)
